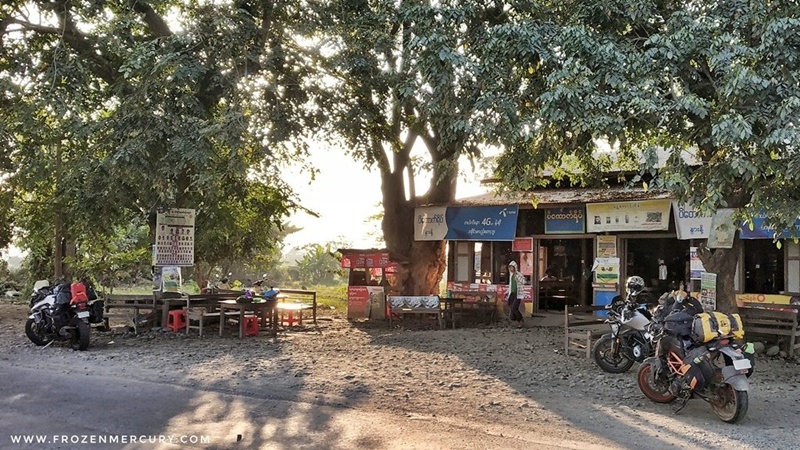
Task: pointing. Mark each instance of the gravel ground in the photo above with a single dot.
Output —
(518, 379)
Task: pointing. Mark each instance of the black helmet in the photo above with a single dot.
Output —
(635, 284)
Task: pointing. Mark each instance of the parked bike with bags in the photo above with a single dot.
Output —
(630, 339)
(706, 359)
(64, 315)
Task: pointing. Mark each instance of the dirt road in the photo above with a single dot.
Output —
(491, 387)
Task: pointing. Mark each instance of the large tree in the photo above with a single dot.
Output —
(114, 109)
(409, 95)
(714, 84)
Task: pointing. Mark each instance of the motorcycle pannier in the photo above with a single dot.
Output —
(712, 325)
(678, 323)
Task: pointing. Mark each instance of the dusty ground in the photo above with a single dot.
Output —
(490, 378)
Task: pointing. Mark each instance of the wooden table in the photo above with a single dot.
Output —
(261, 309)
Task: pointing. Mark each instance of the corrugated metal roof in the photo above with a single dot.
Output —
(554, 197)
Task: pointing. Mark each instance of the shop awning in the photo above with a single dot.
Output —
(561, 197)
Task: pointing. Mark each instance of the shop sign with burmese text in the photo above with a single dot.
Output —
(564, 221)
(643, 215)
(429, 223)
(689, 223)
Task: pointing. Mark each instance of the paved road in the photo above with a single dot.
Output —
(78, 411)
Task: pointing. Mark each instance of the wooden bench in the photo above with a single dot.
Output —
(773, 322)
(129, 304)
(205, 306)
(402, 305)
(582, 327)
(293, 302)
(479, 305)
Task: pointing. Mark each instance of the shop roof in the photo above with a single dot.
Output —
(556, 197)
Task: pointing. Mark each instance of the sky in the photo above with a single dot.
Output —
(345, 195)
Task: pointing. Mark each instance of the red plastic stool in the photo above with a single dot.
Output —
(250, 325)
(176, 320)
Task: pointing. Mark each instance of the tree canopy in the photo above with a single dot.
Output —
(714, 85)
(113, 109)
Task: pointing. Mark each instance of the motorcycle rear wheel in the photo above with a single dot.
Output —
(80, 334)
(604, 356)
(729, 404)
(656, 389)
(35, 335)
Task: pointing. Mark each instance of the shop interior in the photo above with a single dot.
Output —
(565, 272)
(663, 263)
(763, 267)
(481, 262)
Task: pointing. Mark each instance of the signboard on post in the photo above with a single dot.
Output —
(708, 291)
(174, 237)
(689, 224)
(695, 265)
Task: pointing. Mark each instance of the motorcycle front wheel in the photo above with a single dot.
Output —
(654, 388)
(36, 334)
(609, 358)
(729, 404)
(80, 334)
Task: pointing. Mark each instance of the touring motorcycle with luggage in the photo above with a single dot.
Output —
(630, 339)
(702, 355)
(64, 315)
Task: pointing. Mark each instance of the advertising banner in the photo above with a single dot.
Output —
(762, 230)
(689, 224)
(484, 223)
(564, 221)
(174, 238)
(429, 223)
(366, 260)
(767, 300)
(645, 215)
(708, 291)
(723, 230)
(606, 271)
(524, 244)
(695, 265)
(606, 246)
(358, 302)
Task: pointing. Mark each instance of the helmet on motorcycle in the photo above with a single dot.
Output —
(635, 284)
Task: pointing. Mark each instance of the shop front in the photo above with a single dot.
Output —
(371, 275)
(480, 246)
(769, 269)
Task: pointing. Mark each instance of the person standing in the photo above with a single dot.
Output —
(515, 282)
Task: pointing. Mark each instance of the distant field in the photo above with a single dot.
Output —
(329, 298)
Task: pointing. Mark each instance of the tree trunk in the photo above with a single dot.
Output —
(423, 262)
(722, 261)
(58, 254)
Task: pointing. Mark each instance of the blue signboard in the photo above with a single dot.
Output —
(761, 230)
(564, 221)
(482, 223)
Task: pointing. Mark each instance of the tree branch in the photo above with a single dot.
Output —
(154, 22)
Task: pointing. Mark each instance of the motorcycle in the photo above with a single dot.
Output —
(63, 315)
(715, 371)
(41, 289)
(630, 339)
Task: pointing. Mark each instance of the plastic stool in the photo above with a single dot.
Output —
(250, 325)
(176, 320)
(290, 319)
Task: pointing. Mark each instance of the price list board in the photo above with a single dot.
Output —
(175, 237)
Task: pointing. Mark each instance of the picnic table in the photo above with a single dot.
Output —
(267, 311)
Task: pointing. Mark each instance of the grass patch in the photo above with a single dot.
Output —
(329, 298)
